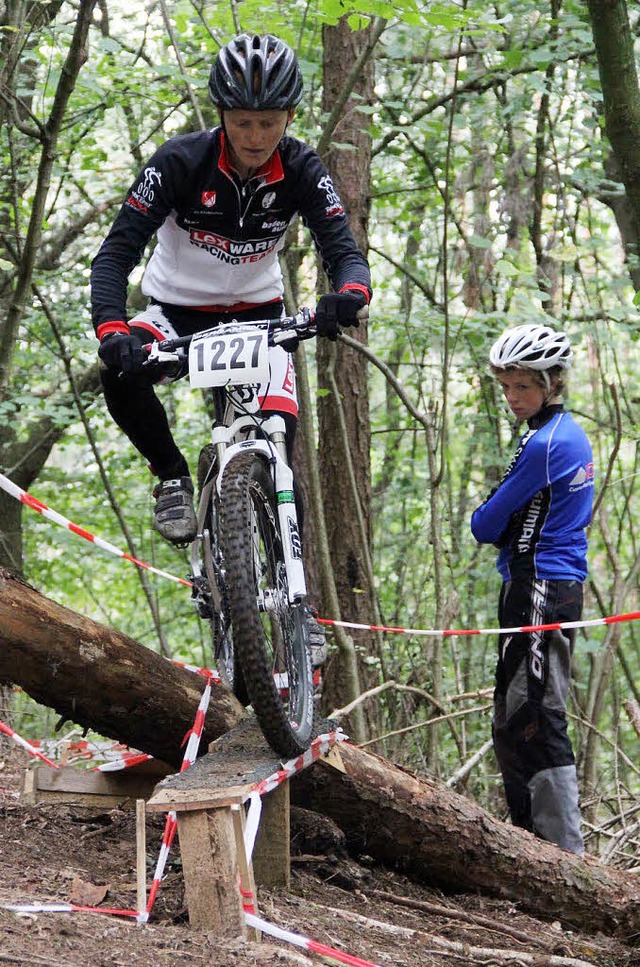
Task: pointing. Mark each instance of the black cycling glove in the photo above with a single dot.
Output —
(122, 351)
(338, 309)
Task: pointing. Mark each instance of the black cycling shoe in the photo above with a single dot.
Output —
(174, 516)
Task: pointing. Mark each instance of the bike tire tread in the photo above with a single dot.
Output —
(244, 472)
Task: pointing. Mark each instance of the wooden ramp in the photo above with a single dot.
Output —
(210, 799)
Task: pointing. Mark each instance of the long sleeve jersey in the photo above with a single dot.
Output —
(538, 513)
(217, 238)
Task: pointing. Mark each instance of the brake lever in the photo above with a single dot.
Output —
(303, 328)
(155, 354)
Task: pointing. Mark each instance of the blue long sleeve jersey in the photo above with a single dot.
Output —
(538, 513)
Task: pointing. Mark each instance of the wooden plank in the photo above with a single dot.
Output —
(69, 783)
(272, 851)
(141, 857)
(182, 800)
(211, 872)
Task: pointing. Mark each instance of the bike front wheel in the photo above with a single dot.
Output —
(269, 632)
(213, 590)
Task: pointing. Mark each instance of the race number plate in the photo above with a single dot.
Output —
(232, 355)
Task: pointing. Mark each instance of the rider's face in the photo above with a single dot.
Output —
(253, 136)
(524, 393)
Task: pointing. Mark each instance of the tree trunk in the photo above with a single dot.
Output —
(343, 413)
(619, 81)
(440, 837)
(101, 679)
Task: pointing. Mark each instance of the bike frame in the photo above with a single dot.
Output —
(232, 434)
(272, 450)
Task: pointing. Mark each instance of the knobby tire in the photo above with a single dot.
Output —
(269, 633)
(213, 568)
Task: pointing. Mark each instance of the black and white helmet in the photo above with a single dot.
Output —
(533, 347)
(256, 74)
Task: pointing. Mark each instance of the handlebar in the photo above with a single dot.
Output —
(300, 326)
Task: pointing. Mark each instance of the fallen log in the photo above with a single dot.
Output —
(442, 838)
(101, 679)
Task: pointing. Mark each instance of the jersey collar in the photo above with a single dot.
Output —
(544, 415)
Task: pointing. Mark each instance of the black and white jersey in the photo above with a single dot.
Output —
(217, 238)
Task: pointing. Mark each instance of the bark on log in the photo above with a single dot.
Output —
(444, 839)
(101, 679)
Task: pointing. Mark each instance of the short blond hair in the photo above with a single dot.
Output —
(541, 376)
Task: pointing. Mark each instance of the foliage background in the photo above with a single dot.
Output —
(494, 201)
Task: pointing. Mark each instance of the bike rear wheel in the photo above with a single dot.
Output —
(213, 590)
(269, 633)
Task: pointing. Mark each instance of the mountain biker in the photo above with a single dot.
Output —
(219, 203)
(537, 516)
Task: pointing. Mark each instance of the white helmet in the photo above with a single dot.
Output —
(533, 347)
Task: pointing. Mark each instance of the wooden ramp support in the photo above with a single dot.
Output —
(86, 787)
(210, 800)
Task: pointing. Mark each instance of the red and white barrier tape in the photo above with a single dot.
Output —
(37, 505)
(319, 746)
(298, 940)
(209, 673)
(451, 632)
(41, 508)
(64, 908)
(128, 758)
(31, 749)
(126, 761)
(170, 827)
(133, 759)
(192, 738)
(69, 752)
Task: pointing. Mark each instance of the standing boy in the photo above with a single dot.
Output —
(537, 517)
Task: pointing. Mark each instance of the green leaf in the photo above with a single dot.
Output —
(478, 241)
(565, 253)
(506, 268)
(358, 21)
(109, 45)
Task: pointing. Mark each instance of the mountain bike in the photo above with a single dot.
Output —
(246, 561)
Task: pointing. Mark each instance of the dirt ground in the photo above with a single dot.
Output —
(71, 854)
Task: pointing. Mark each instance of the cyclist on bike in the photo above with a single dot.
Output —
(219, 203)
(537, 516)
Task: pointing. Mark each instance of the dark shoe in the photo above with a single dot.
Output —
(317, 640)
(174, 516)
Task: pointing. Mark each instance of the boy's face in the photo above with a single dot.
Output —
(253, 137)
(523, 393)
